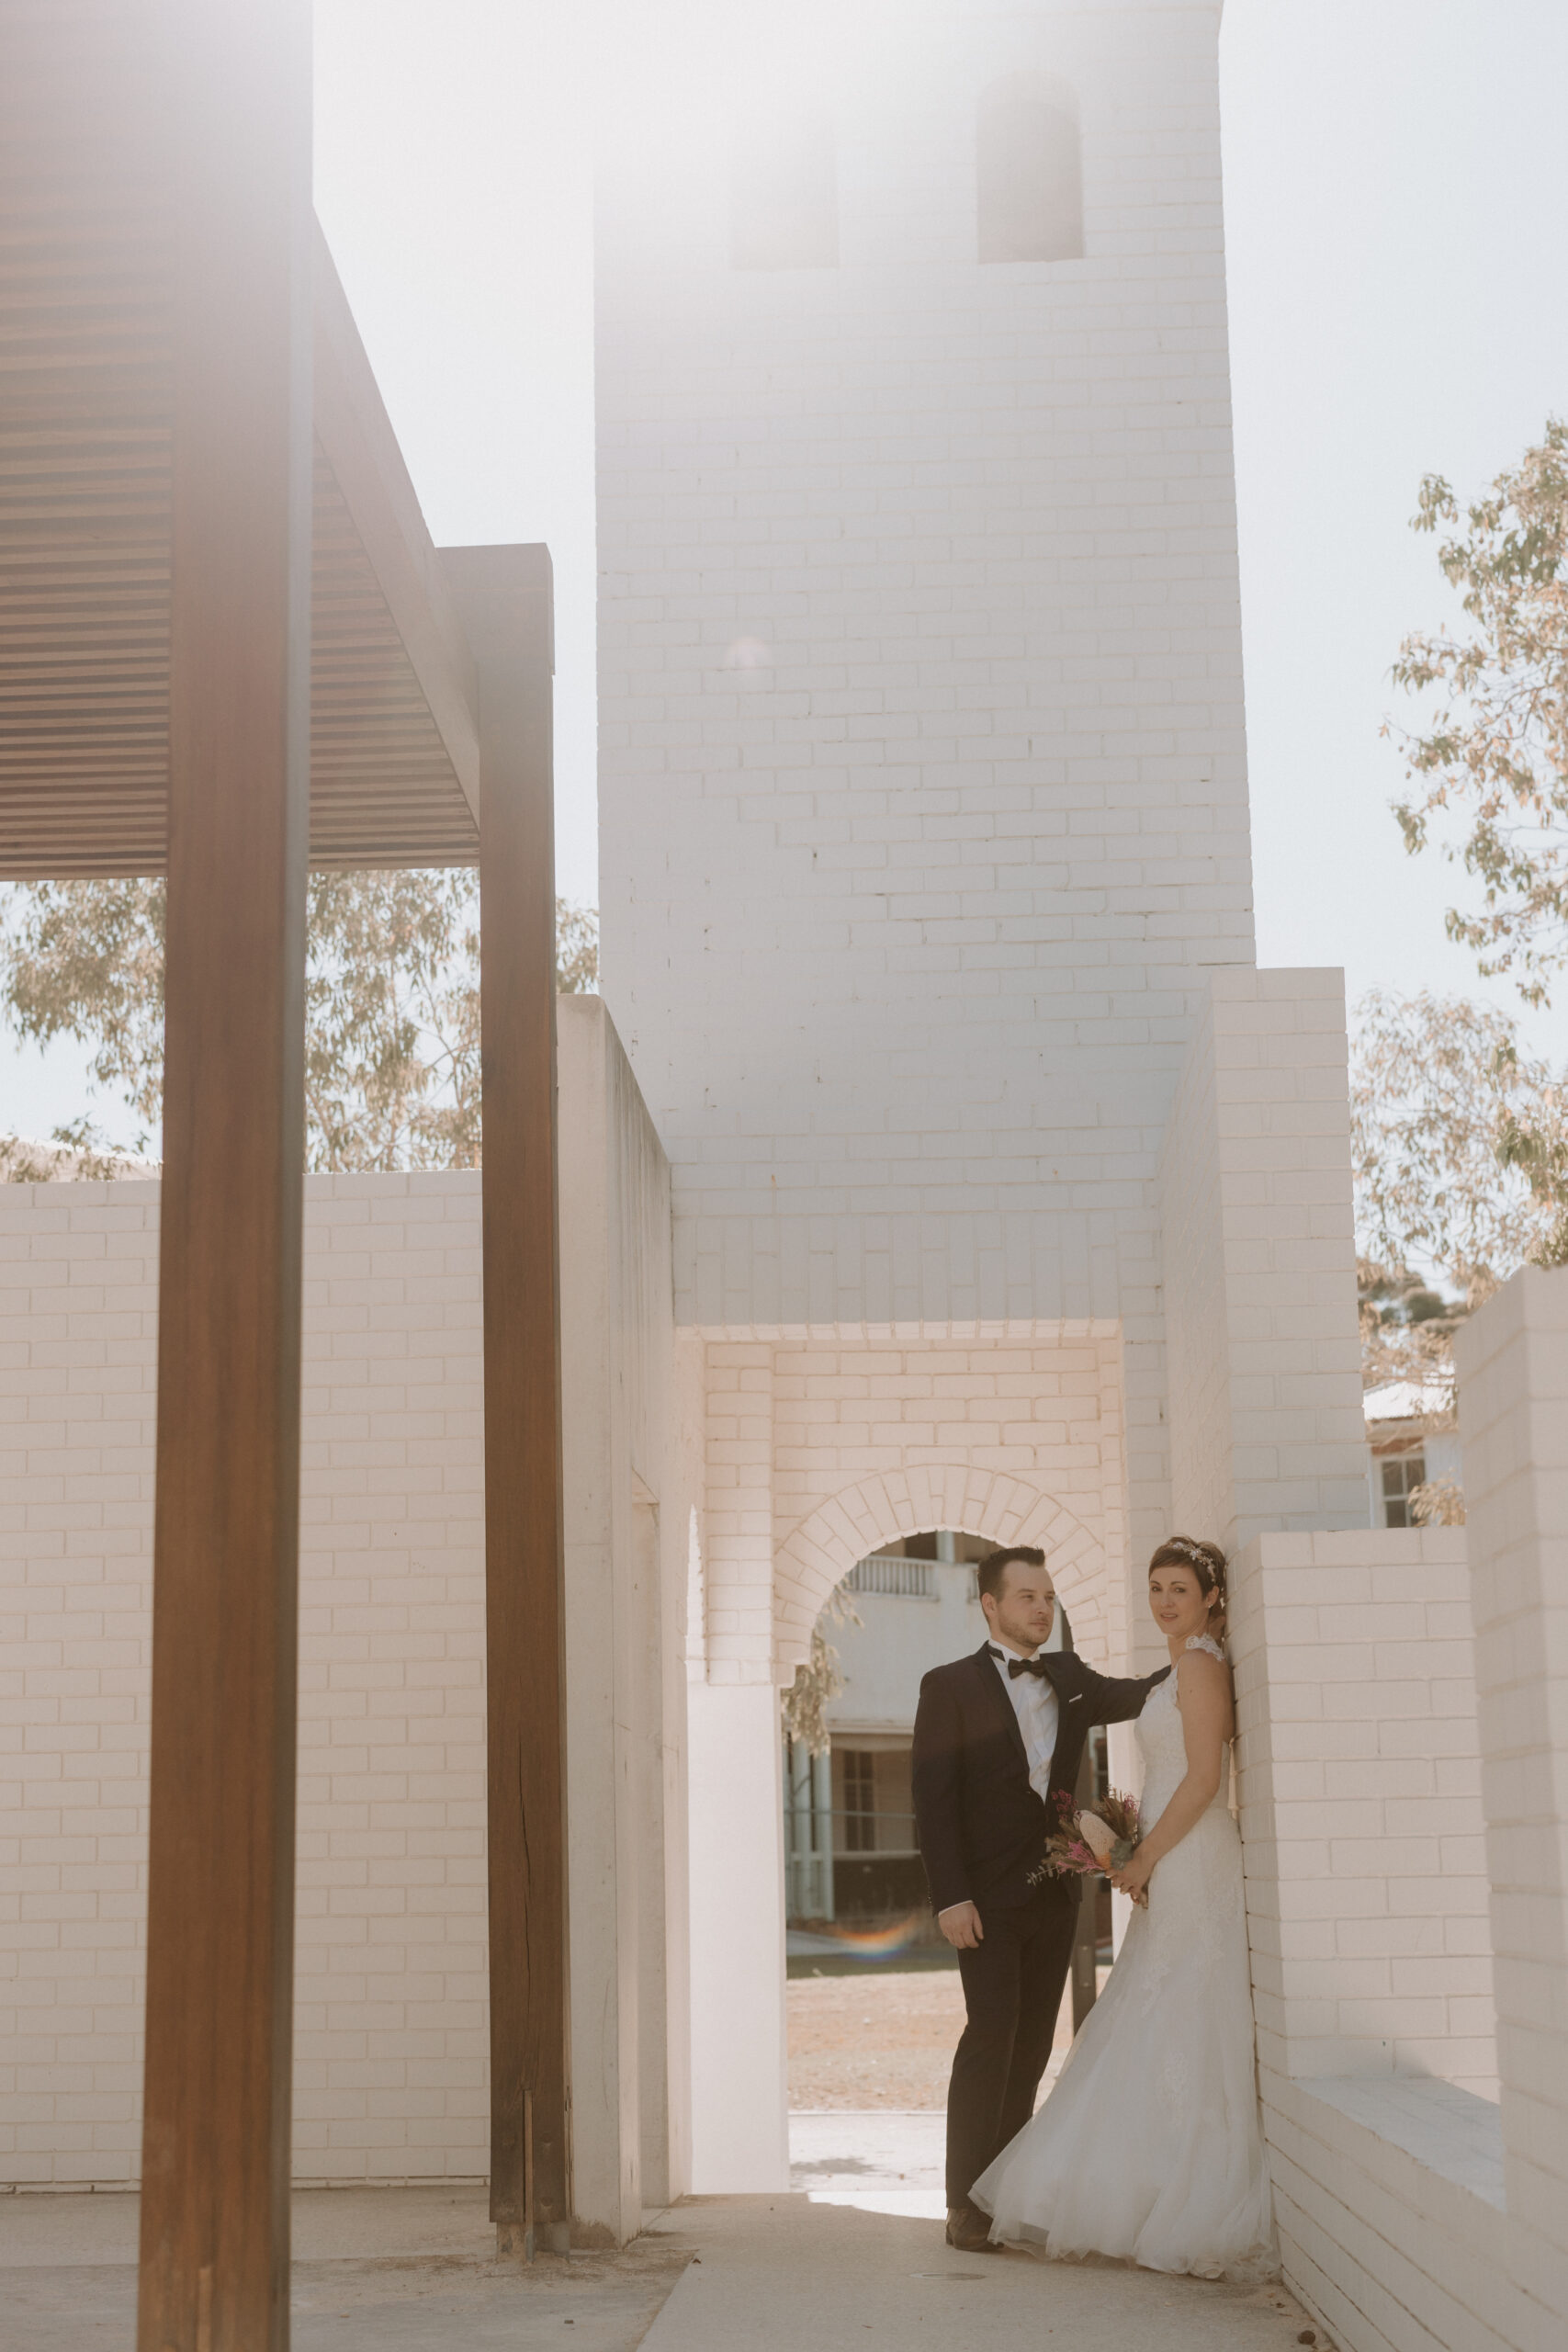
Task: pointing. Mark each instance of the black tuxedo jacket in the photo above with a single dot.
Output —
(982, 1828)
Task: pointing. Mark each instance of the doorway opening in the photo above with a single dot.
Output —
(874, 2000)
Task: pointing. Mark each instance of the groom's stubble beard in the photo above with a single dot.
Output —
(1008, 1627)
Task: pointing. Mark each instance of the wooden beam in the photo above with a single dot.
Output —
(359, 445)
(220, 1907)
(1083, 1973)
(505, 597)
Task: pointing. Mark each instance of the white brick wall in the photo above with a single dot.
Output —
(629, 1496)
(922, 777)
(813, 1440)
(78, 1301)
(1380, 1732)
(1262, 1359)
(1513, 1368)
(1019, 1438)
(391, 2026)
(391, 2031)
(1389, 2203)
(1360, 1805)
(1367, 1907)
(737, 1528)
(392, 2035)
(922, 762)
(819, 1450)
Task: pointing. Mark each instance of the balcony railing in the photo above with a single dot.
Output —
(902, 1579)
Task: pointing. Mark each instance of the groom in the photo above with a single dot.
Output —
(994, 1735)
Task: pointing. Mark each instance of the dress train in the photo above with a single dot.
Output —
(1149, 2148)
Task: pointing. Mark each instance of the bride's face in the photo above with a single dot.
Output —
(1179, 1602)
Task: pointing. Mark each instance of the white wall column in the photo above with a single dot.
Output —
(1513, 1371)
(625, 1642)
(1360, 1806)
(605, 1654)
(740, 2077)
(1263, 1371)
(658, 1748)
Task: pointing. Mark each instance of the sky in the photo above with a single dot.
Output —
(1396, 212)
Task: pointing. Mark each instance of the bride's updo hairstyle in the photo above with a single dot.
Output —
(1207, 1563)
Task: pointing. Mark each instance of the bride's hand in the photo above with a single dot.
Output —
(1133, 1879)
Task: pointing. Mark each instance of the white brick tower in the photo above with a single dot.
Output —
(923, 798)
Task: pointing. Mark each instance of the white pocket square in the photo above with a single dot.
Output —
(1075, 1698)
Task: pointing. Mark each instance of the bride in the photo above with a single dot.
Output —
(1149, 2146)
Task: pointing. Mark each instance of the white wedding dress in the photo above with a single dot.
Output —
(1149, 2148)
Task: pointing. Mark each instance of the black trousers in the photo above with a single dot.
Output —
(1013, 1980)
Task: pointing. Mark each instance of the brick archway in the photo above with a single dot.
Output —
(999, 1505)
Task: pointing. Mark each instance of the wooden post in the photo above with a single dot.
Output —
(221, 1906)
(1085, 1935)
(504, 597)
(1083, 1975)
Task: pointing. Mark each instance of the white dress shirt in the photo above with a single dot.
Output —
(1034, 1704)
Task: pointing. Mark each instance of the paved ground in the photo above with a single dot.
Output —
(376, 2271)
(781, 2274)
(855, 2250)
(881, 2161)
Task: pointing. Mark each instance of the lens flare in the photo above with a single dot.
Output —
(876, 1943)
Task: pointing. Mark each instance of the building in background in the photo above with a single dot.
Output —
(1412, 1444)
(851, 1847)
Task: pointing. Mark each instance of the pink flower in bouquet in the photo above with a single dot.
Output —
(1090, 1841)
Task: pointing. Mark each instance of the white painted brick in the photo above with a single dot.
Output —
(1346, 1820)
(1514, 1375)
(863, 841)
(391, 1633)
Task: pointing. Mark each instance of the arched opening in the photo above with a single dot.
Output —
(878, 1512)
(784, 197)
(1029, 172)
(888, 1510)
(855, 1893)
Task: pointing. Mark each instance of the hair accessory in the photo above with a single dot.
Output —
(1198, 1553)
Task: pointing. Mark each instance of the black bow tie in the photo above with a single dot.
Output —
(1017, 1666)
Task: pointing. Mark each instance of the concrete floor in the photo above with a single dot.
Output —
(790, 2275)
(856, 2249)
(375, 2270)
(883, 2161)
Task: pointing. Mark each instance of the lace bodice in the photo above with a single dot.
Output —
(1162, 1745)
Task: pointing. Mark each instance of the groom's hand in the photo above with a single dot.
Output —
(960, 1923)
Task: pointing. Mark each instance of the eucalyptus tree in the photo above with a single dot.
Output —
(391, 1004)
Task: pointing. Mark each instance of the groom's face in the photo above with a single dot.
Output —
(1025, 1609)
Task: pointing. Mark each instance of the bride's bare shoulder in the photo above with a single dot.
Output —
(1204, 1691)
(1203, 1665)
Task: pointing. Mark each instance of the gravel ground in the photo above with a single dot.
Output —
(884, 2040)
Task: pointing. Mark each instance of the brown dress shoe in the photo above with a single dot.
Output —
(970, 2229)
